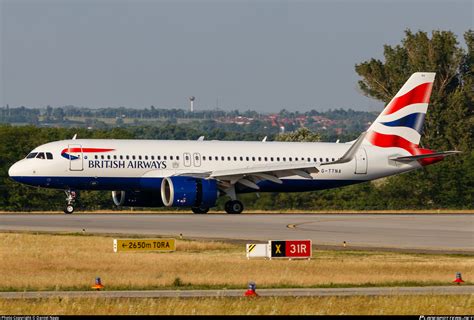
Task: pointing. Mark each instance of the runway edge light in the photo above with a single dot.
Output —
(98, 284)
(458, 279)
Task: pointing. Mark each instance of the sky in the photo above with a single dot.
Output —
(258, 55)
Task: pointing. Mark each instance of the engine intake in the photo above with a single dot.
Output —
(189, 192)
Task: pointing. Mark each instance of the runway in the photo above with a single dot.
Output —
(453, 233)
(319, 292)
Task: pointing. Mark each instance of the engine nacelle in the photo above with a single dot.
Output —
(137, 199)
(189, 192)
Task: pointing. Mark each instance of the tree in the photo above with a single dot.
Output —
(300, 135)
(448, 124)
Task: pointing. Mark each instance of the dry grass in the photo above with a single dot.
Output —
(415, 305)
(71, 262)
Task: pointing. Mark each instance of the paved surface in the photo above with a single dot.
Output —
(238, 293)
(447, 233)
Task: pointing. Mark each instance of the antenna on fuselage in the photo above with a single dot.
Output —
(75, 136)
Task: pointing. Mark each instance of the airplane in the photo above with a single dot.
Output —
(194, 174)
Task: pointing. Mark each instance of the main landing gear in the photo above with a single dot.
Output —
(70, 200)
(234, 207)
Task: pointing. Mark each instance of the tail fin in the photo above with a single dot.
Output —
(401, 122)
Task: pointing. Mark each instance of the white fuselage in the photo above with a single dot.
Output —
(84, 165)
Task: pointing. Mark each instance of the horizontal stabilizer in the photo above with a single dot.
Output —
(424, 156)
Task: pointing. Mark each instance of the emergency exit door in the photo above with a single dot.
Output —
(361, 161)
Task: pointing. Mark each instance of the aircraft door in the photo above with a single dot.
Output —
(75, 157)
(197, 159)
(187, 159)
(361, 161)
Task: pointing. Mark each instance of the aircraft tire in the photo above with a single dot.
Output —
(69, 209)
(234, 207)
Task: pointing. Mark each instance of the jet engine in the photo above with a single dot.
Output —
(189, 192)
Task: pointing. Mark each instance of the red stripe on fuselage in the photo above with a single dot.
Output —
(419, 94)
(86, 150)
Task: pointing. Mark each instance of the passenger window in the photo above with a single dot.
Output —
(290, 159)
(152, 157)
(108, 157)
(235, 158)
(177, 157)
(139, 157)
(121, 157)
(31, 155)
(164, 157)
(266, 159)
(203, 157)
(296, 159)
(315, 160)
(215, 158)
(259, 158)
(320, 159)
(158, 157)
(284, 159)
(171, 157)
(278, 158)
(253, 158)
(40, 155)
(241, 158)
(222, 158)
(102, 157)
(271, 159)
(115, 157)
(96, 157)
(247, 158)
(327, 160)
(127, 157)
(146, 157)
(49, 156)
(228, 158)
(133, 157)
(333, 159)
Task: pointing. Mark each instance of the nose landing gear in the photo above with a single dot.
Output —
(71, 196)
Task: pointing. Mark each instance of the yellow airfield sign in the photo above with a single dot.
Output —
(144, 245)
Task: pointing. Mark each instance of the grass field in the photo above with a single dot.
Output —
(71, 262)
(418, 305)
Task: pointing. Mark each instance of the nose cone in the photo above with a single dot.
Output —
(14, 171)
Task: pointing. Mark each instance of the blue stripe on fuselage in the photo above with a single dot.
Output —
(120, 183)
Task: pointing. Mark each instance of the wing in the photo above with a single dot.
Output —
(249, 176)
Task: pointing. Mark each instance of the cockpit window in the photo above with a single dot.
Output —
(31, 155)
(49, 156)
(40, 155)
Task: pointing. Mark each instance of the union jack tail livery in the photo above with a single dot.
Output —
(401, 123)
